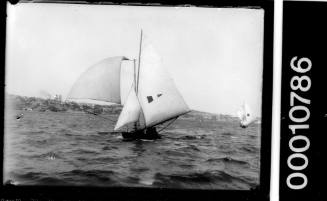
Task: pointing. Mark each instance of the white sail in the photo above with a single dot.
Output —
(240, 114)
(246, 116)
(158, 96)
(100, 82)
(126, 79)
(131, 111)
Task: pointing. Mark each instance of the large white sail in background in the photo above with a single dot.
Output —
(158, 96)
(126, 79)
(131, 111)
(100, 82)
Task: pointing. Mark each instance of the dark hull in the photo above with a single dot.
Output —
(140, 135)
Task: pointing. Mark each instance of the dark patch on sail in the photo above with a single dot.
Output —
(150, 99)
(248, 114)
(159, 95)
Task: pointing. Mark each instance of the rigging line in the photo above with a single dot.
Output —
(138, 76)
(99, 116)
(170, 118)
(135, 87)
(168, 124)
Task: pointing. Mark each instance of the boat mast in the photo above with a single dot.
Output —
(134, 61)
(139, 63)
(136, 79)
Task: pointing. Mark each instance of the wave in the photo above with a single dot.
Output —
(106, 132)
(227, 134)
(90, 172)
(36, 132)
(91, 177)
(86, 151)
(28, 178)
(139, 169)
(51, 181)
(49, 156)
(64, 130)
(185, 151)
(105, 160)
(228, 160)
(30, 175)
(105, 148)
(40, 142)
(199, 180)
(193, 147)
(250, 149)
(192, 137)
(68, 134)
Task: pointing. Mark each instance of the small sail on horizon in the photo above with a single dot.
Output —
(245, 115)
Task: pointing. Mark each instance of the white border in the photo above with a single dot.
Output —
(276, 109)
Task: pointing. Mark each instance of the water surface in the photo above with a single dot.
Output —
(75, 148)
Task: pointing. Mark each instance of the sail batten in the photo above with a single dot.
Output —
(100, 82)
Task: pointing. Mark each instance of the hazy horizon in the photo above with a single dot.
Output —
(214, 55)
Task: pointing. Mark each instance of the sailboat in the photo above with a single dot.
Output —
(245, 115)
(153, 98)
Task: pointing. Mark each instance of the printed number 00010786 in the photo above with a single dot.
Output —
(299, 84)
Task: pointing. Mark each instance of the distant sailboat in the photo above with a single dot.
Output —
(245, 115)
(153, 97)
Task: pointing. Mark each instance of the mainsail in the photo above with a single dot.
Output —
(157, 99)
(158, 96)
(100, 82)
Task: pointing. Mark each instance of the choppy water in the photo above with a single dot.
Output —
(49, 148)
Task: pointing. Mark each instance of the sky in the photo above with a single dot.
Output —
(214, 55)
